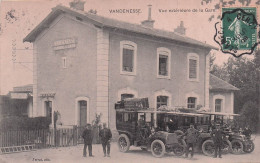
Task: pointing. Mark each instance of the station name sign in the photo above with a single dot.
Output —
(65, 44)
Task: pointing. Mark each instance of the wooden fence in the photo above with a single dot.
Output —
(45, 138)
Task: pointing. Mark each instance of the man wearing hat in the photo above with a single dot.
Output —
(87, 136)
(217, 136)
(105, 135)
(191, 138)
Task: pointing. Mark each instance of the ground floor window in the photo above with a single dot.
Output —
(126, 95)
(191, 103)
(162, 100)
(218, 105)
(48, 109)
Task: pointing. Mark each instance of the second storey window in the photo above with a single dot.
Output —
(191, 102)
(163, 62)
(193, 67)
(128, 57)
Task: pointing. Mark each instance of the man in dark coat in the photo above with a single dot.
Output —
(87, 136)
(217, 136)
(247, 132)
(105, 135)
(191, 138)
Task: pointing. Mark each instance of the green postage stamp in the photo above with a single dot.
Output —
(238, 34)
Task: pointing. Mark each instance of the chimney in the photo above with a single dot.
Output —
(149, 22)
(180, 29)
(77, 4)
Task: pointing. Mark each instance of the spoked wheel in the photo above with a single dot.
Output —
(226, 147)
(237, 146)
(158, 148)
(208, 148)
(249, 146)
(178, 150)
(123, 143)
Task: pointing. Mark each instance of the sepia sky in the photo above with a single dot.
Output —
(31, 12)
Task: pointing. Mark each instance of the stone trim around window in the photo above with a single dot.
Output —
(77, 111)
(163, 93)
(134, 48)
(193, 56)
(221, 97)
(126, 90)
(192, 94)
(166, 52)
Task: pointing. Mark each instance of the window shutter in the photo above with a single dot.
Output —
(192, 68)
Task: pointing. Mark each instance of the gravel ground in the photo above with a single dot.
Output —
(135, 155)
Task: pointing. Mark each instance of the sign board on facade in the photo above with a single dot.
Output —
(19, 95)
(65, 44)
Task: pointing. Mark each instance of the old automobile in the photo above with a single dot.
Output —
(136, 127)
(239, 142)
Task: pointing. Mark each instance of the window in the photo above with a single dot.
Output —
(128, 57)
(64, 62)
(191, 102)
(193, 67)
(125, 95)
(163, 62)
(218, 104)
(48, 109)
(162, 100)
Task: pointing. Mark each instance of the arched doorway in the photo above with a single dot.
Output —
(82, 111)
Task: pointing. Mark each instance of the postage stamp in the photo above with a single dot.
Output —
(237, 33)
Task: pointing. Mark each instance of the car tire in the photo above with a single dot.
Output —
(158, 148)
(123, 143)
(178, 150)
(237, 146)
(226, 147)
(249, 146)
(208, 148)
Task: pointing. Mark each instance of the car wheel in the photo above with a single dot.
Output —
(178, 150)
(123, 143)
(237, 146)
(249, 146)
(158, 148)
(208, 148)
(226, 147)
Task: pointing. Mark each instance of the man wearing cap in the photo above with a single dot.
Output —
(105, 135)
(191, 138)
(217, 136)
(87, 136)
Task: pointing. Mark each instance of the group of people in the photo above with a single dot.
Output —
(105, 137)
(192, 134)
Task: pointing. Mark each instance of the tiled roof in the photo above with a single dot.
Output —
(221, 85)
(113, 24)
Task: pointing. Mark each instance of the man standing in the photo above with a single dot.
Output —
(87, 136)
(105, 135)
(217, 136)
(191, 138)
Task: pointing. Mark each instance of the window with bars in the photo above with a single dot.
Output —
(191, 102)
(193, 68)
(218, 105)
(163, 65)
(162, 100)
